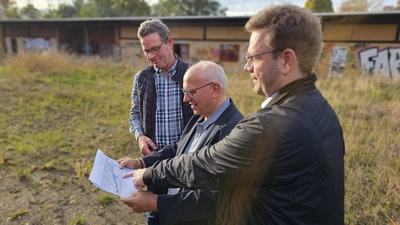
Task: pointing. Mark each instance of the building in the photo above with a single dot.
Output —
(352, 41)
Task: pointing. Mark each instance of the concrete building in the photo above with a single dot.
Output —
(352, 41)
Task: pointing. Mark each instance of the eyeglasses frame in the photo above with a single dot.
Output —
(190, 92)
(153, 50)
(249, 57)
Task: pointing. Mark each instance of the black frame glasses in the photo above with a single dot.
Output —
(249, 57)
(153, 50)
(191, 93)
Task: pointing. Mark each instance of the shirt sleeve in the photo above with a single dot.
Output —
(135, 124)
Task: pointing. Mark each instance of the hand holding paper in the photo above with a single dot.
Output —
(107, 175)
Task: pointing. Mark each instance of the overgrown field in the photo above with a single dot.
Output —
(56, 110)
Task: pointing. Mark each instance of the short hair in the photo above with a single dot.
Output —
(290, 26)
(153, 26)
(211, 72)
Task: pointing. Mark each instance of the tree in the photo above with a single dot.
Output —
(30, 12)
(131, 7)
(115, 8)
(319, 5)
(165, 8)
(201, 8)
(188, 8)
(8, 10)
(361, 5)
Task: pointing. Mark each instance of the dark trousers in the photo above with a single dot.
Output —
(152, 216)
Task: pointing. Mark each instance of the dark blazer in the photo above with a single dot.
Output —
(193, 206)
(280, 165)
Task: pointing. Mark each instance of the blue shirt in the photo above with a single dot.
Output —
(202, 127)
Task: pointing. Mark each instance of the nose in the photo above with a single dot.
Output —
(186, 98)
(248, 67)
(150, 55)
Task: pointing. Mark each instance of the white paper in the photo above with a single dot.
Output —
(107, 176)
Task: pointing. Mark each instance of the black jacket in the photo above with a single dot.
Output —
(194, 207)
(280, 165)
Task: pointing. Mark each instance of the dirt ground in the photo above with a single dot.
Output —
(54, 197)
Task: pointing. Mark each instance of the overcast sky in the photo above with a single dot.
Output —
(235, 7)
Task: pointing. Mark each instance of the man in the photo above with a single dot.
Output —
(284, 163)
(158, 114)
(214, 117)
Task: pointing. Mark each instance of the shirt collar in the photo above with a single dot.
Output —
(215, 115)
(171, 70)
(265, 103)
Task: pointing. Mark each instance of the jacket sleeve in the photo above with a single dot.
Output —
(244, 156)
(186, 206)
(167, 152)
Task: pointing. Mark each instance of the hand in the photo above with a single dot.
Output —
(141, 201)
(146, 145)
(129, 163)
(138, 178)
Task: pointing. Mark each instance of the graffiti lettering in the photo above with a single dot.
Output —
(385, 61)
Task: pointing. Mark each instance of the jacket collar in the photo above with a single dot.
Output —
(297, 86)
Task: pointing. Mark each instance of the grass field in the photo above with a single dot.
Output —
(57, 110)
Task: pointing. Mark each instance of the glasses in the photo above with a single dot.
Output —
(153, 50)
(249, 57)
(191, 93)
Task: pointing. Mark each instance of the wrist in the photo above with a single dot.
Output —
(142, 164)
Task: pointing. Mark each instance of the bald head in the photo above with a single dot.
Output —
(205, 85)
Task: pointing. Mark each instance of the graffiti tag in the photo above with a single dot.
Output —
(385, 61)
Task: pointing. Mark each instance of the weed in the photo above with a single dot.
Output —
(22, 173)
(106, 199)
(79, 220)
(82, 169)
(18, 213)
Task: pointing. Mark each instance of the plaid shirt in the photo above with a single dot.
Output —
(168, 111)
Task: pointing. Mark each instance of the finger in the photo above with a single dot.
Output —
(120, 160)
(127, 175)
(139, 187)
(124, 163)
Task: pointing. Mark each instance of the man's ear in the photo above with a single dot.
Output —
(170, 41)
(288, 61)
(216, 88)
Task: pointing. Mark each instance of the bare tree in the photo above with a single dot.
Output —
(361, 5)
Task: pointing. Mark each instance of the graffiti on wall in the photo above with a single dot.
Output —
(215, 52)
(37, 44)
(375, 61)
(338, 60)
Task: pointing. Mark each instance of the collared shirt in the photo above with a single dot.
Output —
(202, 127)
(168, 113)
(265, 103)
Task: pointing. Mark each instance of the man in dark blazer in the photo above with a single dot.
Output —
(214, 117)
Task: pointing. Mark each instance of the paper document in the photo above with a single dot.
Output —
(106, 175)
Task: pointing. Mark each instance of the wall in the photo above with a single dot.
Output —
(229, 54)
(369, 58)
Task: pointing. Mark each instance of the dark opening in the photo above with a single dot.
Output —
(14, 46)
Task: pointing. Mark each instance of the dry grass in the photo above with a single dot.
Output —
(60, 105)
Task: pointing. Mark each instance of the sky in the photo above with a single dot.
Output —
(235, 7)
